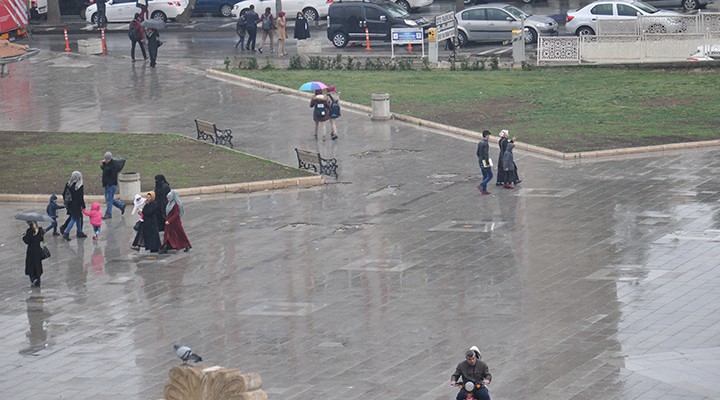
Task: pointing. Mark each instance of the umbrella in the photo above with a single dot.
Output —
(312, 86)
(153, 23)
(33, 216)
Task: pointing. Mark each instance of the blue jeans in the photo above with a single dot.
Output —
(110, 199)
(52, 226)
(479, 394)
(73, 221)
(487, 177)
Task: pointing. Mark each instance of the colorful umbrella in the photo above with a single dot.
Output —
(312, 86)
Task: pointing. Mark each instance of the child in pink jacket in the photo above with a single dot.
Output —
(95, 218)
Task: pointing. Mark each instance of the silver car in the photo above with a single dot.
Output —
(494, 22)
(584, 20)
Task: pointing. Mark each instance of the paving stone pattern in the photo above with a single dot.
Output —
(592, 280)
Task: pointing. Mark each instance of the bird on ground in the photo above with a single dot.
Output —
(186, 354)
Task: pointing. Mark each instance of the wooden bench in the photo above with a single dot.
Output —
(313, 161)
(208, 130)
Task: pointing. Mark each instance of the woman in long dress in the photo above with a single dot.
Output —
(151, 234)
(33, 259)
(175, 237)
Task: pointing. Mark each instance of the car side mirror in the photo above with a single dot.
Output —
(383, 18)
(510, 19)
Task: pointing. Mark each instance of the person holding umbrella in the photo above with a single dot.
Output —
(33, 255)
(153, 37)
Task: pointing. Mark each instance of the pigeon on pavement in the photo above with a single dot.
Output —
(186, 354)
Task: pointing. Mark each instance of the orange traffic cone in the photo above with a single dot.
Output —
(67, 43)
(367, 40)
(409, 49)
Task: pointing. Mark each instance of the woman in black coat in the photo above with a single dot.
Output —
(151, 234)
(162, 188)
(302, 30)
(153, 38)
(33, 259)
(502, 143)
(74, 198)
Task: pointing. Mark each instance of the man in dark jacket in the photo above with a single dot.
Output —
(251, 21)
(101, 19)
(483, 154)
(472, 370)
(110, 170)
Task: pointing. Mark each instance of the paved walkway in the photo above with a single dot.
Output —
(594, 280)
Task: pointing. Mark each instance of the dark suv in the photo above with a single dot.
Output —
(347, 20)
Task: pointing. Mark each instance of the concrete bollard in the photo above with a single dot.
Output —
(309, 47)
(90, 46)
(380, 107)
(129, 185)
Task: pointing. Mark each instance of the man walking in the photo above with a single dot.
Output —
(251, 21)
(101, 19)
(483, 154)
(110, 170)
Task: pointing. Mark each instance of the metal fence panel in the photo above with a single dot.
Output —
(558, 49)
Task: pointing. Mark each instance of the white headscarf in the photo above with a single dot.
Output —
(504, 133)
(173, 199)
(139, 203)
(76, 178)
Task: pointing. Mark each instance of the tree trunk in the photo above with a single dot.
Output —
(459, 5)
(53, 12)
(184, 18)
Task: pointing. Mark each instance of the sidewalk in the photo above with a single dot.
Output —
(591, 280)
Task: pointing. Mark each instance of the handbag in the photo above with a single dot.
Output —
(44, 252)
(137, 226)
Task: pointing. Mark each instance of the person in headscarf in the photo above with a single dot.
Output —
(74, 198)
(175, 237)
(139, 204)
(502, 143)
(509, 166)
(162, 188)
(281, 23)
(150, 231)
(33, 259)
(302, 30)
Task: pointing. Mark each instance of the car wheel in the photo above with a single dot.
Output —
(226, 10)
(531, 36)
(94, 19)
(404, 4)
(339, 40)
(159, 15)
(656, 28)
(584, 30)
(527, 1)
(462, 39)
(311, 14)
(468, 2)
(690, 5)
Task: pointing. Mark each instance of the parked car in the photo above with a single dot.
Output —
(412, 5)
(214, 7)
(38, 9)
(312, 9)
(124, 10)
(495, 22)
(584, 20)
(347, 20)
(688, 5)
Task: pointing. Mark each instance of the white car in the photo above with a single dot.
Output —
(584, 20)
(125, 10)
(313, 9)
(412, 5)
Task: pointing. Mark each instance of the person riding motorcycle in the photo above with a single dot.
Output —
(474, 370)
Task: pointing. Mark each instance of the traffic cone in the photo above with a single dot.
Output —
(367, 40)
(409, 48)
(67, 43)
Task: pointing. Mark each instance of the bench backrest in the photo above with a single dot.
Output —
(204, 126)
(308, 157)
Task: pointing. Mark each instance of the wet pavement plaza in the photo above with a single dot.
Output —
(591, 280)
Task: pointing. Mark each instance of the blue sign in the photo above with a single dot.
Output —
(406, 35)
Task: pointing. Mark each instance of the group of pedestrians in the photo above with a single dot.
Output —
(326, 107)
(138, 35)
(507, 175)
(160, 211)
(247, 25)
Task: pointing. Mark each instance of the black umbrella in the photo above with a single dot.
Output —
(33, 216)
(153, 23)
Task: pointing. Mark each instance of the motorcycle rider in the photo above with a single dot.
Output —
(473, 369)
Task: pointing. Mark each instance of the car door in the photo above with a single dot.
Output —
(473, 20)
(599, 12)
(353, 22)
(121, 10)
(378, 23)
(500, 24)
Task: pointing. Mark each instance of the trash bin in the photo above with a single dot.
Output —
(380, 107)
(129, 184)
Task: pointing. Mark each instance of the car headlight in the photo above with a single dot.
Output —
(410, 22)
(542, 25)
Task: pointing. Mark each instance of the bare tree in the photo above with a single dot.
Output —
(184, 18)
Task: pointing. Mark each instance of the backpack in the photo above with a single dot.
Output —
(240, 24)
(334, 108)
(132, 32)
(320, 110)
(267, 22)
(67, 196)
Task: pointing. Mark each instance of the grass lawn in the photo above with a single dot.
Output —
(41, 162)
(566, 109)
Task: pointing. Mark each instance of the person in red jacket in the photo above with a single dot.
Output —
(175, 237)
(137, 36)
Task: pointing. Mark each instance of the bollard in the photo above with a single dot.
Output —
(67, 42)
(129, 185)
(102, 37)
(380, 107)
(367, 39)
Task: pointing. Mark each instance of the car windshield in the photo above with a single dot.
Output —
(394, 9)
(645, 7)
(516, 12)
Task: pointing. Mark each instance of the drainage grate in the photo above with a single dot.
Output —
(377, 265)
(380, 153)
(544, 192)
(282, 308)
(295, 227)
(467, 226)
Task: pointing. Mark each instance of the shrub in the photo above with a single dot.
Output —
(296, 63)
(252, 63)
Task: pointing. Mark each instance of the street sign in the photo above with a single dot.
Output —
(406, 35)
(446, 26)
